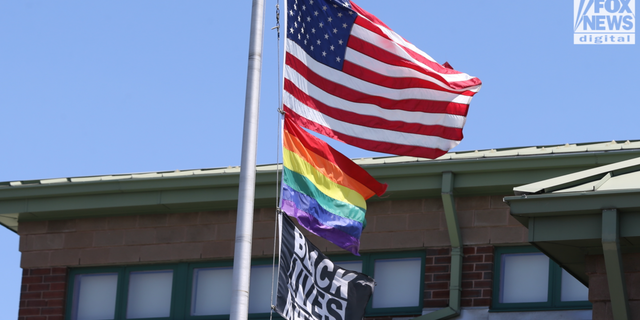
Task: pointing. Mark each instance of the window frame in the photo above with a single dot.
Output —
(181, 291)
(368, 264)
(554, 286)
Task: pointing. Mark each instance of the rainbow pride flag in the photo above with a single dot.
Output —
(323, 189)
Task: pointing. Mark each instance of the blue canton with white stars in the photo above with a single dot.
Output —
(321, 28)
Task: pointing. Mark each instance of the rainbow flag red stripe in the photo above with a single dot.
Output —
(323, 189)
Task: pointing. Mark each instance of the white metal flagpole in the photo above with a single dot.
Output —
(246, 192)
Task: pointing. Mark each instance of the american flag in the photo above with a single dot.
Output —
(350, 77)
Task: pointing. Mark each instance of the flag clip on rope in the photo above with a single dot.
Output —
(350, 77)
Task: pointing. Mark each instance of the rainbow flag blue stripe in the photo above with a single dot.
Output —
(324, 190)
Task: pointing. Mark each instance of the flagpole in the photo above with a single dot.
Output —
(246, 192)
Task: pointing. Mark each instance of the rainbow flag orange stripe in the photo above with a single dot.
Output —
(323, 189)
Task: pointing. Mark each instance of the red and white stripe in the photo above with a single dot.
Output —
(390, 96)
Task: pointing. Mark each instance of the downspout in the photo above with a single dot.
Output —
(455, 282)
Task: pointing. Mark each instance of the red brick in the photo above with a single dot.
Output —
(475, 235)
(424, 221)
(45, 242)
(94, 256)
(55, 317)
(37, 303)
(468, 250)
(482, 284)
(108, 238)
(171, 234)
(466, 302)
(179, 219)
(53, 295)
(56, 278)
(171, 252)
(473, 203)
(442, 260)
(436, 286)
(140, 236)
(23, 288)
(407, 206)
(428, 277)
(67, 257)
(484, 250)
(122, 222)
(32, 279)
(226, 231)
(432, 204)
(441, 277)
(53, 311)
(32, 227)
(124, 254)
(473, 259)
(201, 233)
(440, 294)
(507, 234)
(467, 267)
(39, 287)
(39, 271)
(471, 275)
(487, 276)
(488, 258)
(482, 302)
(217, 217)
(491, 217)
(498, 202)
(484, 267)
(263, 229)
(152, 220)
(78, 239)
(435, 303)
(437, 268)
(486, 293)
(91, 224)
(428, 260)
(58, 270)
(61, 226)
(30, 295)
(55, 303)
(467, 284)
(61, 286)
(465, 219)
(471, 293)
(35, 318)
(29, 311)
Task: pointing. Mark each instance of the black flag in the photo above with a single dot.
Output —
(310, 286)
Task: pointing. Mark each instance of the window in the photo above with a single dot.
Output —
(177, 291)
(526, 279)
(399, 280)
(201, 291)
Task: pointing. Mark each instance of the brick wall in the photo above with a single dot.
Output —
(42, 294)
(136, 239)
(477, 273)
(392, 225)
(599, 286)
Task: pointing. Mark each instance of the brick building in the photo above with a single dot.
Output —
(160, 245)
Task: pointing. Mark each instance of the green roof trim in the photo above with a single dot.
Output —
(491, 172)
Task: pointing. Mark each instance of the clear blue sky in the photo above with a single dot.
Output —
(104, 87)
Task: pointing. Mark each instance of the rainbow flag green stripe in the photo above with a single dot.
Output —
(301, 184)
